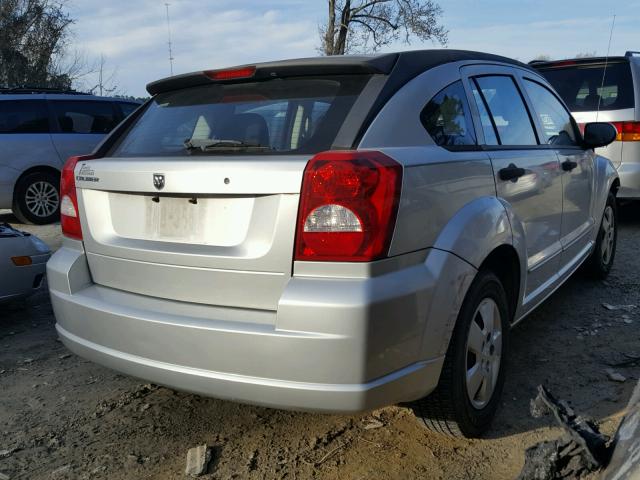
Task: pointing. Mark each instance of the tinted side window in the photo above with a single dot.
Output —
(554, 118)
(507, 109)
(447, 118)
(24, 116)
(84, 116)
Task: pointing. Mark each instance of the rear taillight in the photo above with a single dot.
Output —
(69, 214)
(348, 206)
(627, 131)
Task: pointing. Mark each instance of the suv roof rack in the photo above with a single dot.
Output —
(35, 90)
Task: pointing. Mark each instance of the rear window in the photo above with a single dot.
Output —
(283, 115)
(582, 86)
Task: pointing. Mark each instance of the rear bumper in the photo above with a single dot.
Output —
(334, 345)
(629, 171)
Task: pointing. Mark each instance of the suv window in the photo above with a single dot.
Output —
(23, 116)
(127, 108)
(582, 88)
(508, 112)
(281, 115)
(80, 116)
(447, 118)
(555, 120)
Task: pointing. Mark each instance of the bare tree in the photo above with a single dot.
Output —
(33, 36)
(586, 54)
(368, 25)
(541, 58)
(106, 79)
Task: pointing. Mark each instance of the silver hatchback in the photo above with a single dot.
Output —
(332, 234)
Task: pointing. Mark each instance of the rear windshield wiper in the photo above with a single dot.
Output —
(207, 145)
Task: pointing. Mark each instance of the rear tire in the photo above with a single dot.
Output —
(604, 252)
(476, 345)
(36, 199)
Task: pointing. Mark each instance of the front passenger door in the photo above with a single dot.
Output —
(558, 131)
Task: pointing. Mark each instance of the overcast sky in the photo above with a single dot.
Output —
(132, 34)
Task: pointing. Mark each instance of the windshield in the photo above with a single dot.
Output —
(283, 115)
(582, 86)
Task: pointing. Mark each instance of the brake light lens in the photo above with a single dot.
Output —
(231, 74)
(627, 131)
(69, 214)
(348, 206)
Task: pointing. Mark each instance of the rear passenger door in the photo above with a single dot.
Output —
(81, 125)
(526, 173)
(560, 133)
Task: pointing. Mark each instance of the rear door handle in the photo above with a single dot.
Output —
(511, 172)
(569, 165)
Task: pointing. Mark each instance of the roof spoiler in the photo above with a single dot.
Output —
(333, 65)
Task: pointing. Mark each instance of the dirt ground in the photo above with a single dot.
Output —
(62, 417)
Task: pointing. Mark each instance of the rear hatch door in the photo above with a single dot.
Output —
(197, 201)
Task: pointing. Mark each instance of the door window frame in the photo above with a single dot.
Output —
(468, 74)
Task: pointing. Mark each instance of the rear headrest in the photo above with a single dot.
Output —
(246, 127)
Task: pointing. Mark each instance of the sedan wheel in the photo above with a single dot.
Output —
(36, 198)
(484, 351)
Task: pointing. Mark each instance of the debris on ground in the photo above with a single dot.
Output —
(580, 450)
(625, 461)
(615, 376)
(373, 424)
(626, 308)
(198, 459)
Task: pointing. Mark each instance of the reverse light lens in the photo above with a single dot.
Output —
(348, 205)
(332, 218)
(67, 208)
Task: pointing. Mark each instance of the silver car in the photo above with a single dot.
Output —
(332, 234)
(605, 89)
(23, 259)
(39, 130)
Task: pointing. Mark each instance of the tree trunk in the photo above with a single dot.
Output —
(329, 34)
(345, 18)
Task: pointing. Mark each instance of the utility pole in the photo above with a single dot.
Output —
(169, 37)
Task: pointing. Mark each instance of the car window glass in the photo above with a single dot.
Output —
(84, 116)
(24, 116)
(585, 87)
(127, 108)
(490, 137)
(507, 110)
(283, 115)
(447, 118)
(554, 118)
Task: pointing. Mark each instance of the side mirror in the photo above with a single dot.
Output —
(599, 134)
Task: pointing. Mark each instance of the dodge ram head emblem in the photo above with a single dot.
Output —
(158, 180)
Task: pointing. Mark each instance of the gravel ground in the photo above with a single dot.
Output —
(62, 417)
